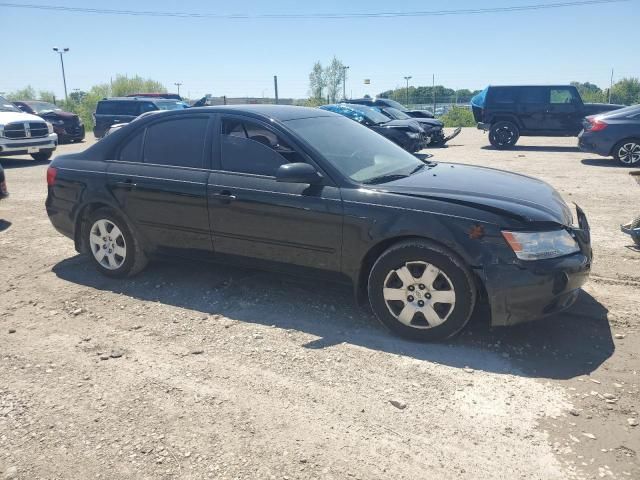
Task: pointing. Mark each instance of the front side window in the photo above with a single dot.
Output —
(178, 142)
(562, 95)
(132, 148)
(356, 151)
(248, 147)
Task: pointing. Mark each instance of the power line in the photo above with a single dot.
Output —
(287, 16)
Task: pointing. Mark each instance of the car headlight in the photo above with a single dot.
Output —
(541, 245)
(413, 135)
(49, 127)
(57, 122)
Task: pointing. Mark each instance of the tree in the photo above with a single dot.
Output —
(626, 91)
(334, 75)
(458, 117)
(27, 93)
(317, 83)
(590, 92)
(47, 96)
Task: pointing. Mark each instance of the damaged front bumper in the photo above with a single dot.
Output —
(529, 290)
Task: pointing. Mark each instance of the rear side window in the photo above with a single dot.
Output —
(534, 95)
(179, 142)
(117, 108)
(503, 95)
(132, 150)
(562, 95)
(248, 147)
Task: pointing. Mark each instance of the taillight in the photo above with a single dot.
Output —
(596, 125)
(51, 176)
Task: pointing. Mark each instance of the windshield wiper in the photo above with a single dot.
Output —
(385, 178)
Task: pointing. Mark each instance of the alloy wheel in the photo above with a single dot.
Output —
(107, 244)
(419, 295)
(629, 153)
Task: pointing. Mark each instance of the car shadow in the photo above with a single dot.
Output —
(4, 225)
(534, 148)
(13, 162)
(600, 162)
(560, 347)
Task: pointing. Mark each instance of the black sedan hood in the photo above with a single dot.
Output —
(517, 196)
(430, 122)
(412, 125)
(419, 113)
(58, 115)
(595, 108)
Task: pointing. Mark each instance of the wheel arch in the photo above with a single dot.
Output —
(368, 260)
(626, 139)
(506, 118)
(84, 212)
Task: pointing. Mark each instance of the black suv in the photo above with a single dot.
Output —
(509, 112)
(110, 111)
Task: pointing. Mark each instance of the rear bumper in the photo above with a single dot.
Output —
(484, 126)
(591, 143)
(28, 145)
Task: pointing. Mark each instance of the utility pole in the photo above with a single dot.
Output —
(611, 85)
(433, 89)
(344, 81)
(275, 86)
(177, 84)
(407, 91)
(60, 51)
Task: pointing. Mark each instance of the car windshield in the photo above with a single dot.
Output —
(372, 115)
(43, 107)
(7, 106)
(397, 114)
(171, 105)
(356, 151)
(394, 104)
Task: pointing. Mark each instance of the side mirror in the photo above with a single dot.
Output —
(298, 173)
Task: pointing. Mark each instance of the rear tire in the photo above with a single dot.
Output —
(406, 283)
(627, 152)
(113, 248)
(503, 135)
(42, 156)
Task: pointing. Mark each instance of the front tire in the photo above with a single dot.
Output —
(42, 156)
(112, 246)
(504, 135)
(627, 152)
(421, 291)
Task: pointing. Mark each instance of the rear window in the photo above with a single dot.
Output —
(117, 108)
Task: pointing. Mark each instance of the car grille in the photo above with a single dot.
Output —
(20, 130)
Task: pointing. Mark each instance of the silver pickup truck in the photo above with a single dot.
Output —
(22, 133)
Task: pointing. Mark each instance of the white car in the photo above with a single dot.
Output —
(23, 133)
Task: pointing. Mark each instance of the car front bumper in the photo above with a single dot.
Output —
(28, 145)
(529, 290)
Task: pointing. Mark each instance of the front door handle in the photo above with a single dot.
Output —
(127, 184)
(223, 196)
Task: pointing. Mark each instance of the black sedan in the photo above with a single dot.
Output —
(433, 128)
(387, 102)
(615, 134)
(67, 125)
(406, 133)
(311, 192)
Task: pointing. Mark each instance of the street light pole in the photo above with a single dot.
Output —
(177, 84)
(60, 51)
(344, 81)
(407, 79)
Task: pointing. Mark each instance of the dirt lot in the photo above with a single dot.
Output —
(196, 371)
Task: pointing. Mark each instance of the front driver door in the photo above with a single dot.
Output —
(252, 215)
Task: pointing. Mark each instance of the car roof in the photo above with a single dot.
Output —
(530, 86)
(276, 112)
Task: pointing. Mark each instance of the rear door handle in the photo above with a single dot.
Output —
(127, 184)
(223, 196)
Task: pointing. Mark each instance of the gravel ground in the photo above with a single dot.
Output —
(193, 371)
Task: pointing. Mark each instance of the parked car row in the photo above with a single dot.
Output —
(23, 133)
(311, 192)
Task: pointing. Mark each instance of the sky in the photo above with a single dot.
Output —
(239, 58)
